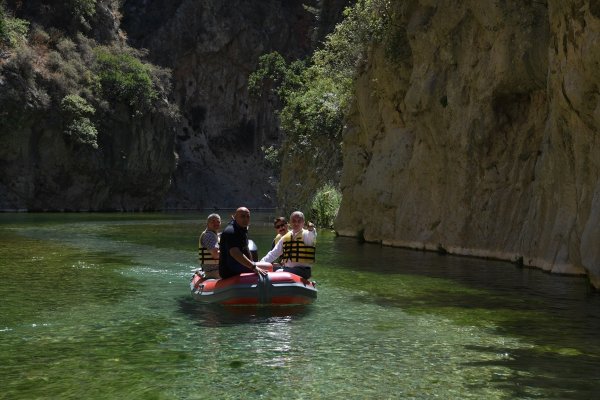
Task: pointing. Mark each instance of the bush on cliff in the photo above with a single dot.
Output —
(76, 112)
(315, 97)
(12, 30)
(123, 77)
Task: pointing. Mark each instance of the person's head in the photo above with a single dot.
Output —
(213, 222)
(280, 225)
(297, 221)
(242, 217)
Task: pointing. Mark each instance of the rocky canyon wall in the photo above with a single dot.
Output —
(475, 131)
(208, 157)
(212, 47)
(44, 168)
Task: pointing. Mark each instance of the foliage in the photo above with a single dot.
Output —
(12, 30)
(270, 74)
(346, 48)
(83, 131)
(81, 13)
(325, 205)
(76, 106)
(83, 8)
(317, 110)
(316, 95)
(76, 111)
(275, 76)
(124, 77)
(272, 157)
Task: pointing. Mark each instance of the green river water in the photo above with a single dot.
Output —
(97, 306)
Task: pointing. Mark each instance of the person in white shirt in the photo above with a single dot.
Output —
(297, 247)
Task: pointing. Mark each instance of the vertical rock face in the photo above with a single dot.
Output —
(210, 157)
(212, 47)
(477, 132)
(43, 167)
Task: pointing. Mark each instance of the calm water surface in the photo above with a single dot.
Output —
(97, 306)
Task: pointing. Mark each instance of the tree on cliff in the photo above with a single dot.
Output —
(315, 95)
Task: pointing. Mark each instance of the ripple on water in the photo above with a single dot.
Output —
(113, 318)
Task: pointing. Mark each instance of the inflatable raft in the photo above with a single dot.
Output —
(275, 288)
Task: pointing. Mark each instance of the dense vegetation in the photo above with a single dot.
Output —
(76, 103)
(315, 96)
(73, 75)
(12, 30)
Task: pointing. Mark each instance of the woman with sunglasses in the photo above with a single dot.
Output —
(281, 228)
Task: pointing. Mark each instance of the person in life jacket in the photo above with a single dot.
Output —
(296, 248)
(208, 247)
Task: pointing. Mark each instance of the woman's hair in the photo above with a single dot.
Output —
(278, 220)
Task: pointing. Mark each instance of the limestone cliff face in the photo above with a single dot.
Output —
(479, 135)
(212, 47)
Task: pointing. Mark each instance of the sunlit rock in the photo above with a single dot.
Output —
(482, 138)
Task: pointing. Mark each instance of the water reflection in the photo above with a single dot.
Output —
(214, 315)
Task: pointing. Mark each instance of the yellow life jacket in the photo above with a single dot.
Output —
(276, 240)
(204, 254)
(294, 249)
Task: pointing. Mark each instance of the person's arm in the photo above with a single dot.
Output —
(240, 257)
(274, 253)
(309, 236)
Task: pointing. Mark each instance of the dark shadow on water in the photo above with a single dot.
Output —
(214, 315)
(564, 362)
(536, 374)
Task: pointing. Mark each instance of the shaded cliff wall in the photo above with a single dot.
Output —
(45, 168)
(475, 129)
(146, 160)
(212, 47)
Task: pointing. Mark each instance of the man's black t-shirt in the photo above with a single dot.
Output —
(233, 236)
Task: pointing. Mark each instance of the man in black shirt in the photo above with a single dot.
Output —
(235, 256)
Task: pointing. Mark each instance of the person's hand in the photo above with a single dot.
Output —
(261, 271)
(310, 226)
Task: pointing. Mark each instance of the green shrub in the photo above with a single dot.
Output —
(272, 157)
(125, 78)
(72, 66)
(74, 106)
(83, 131)
(325, 206)
(316, 96)
(76, 112)
(83, 8)
(12, 30)
(269, 75)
